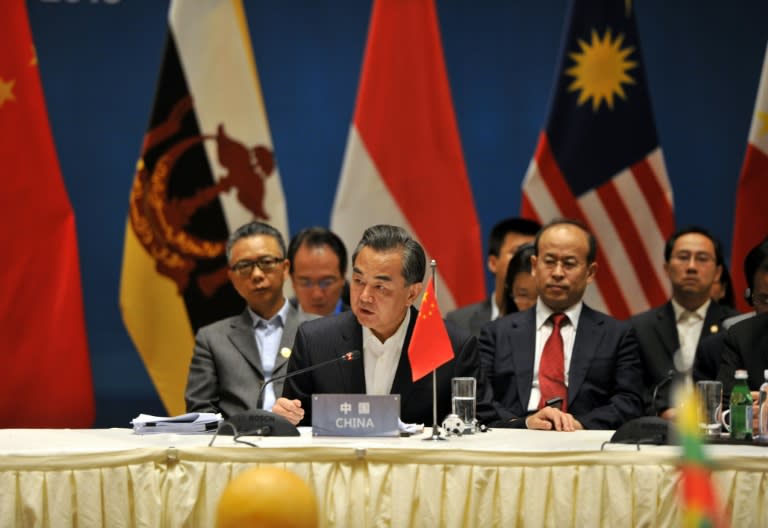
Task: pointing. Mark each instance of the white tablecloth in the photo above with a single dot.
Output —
(113, 478)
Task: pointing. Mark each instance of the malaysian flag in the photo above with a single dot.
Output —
(599, 159)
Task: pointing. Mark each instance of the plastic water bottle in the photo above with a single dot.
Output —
(741, 408)
(762, 414)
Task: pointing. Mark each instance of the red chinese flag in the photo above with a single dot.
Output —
(430, 345)
(750, 224)
(46, 369)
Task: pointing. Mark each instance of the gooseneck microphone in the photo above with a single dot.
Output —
(349, 356)
(670, 375)
(260, 422)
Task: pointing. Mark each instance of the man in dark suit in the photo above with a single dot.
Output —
(235, 356)
(708, 355)
(505, 238)
(746, 347)
(597, 371)
(387, 272)
(692, 261)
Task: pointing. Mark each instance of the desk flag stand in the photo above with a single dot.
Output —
(436, 435)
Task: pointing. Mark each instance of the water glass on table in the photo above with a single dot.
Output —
(710, 395)
(463, 402)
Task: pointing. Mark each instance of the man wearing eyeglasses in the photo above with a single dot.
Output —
(234, 357)
(318, 264)
(693, 261)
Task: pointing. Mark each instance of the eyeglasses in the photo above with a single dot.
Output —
(760, 299)
(700, 258)
(244, 268)
(323, 283)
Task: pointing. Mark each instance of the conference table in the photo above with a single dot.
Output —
(115, 478)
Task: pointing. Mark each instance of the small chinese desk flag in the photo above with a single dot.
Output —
(430, 345)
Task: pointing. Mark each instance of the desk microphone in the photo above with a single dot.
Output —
(349, 356)
(260, 422)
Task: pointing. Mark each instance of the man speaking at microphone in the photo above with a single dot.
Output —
(387, 273)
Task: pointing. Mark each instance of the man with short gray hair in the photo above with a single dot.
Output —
(388, 268)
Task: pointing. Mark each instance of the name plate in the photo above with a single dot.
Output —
(355, 415)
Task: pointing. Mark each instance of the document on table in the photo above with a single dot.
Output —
(190, 423)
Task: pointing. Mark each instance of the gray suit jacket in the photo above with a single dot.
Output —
(472, 318)
(226, 374)
(657, 333)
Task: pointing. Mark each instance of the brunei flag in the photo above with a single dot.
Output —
(206, 167)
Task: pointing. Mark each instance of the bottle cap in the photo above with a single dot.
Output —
(740, 374)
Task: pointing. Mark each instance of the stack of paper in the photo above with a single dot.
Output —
(189, 423)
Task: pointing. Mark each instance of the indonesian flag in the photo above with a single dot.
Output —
(599, 160)
(403, 164)
(430, 345)
(206, 167)
(46, 367)
(750, 225)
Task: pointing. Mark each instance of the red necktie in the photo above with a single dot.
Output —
(552, 365)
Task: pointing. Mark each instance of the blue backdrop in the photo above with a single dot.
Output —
(99, 61)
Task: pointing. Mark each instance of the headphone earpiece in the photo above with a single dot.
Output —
(748, 296)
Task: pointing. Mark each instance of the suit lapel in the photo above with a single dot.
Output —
(352, 373)
(522, 339)
(589, 334)
(241, 336)
(480, 317)
(667, 329)
(290, 326)
(403, 382)
(711, 320)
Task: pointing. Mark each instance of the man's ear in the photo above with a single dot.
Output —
(591, 271)
(492, 263)
(414, 290)
(534, 259)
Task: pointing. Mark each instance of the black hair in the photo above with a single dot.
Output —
(694, 229)
(318, 237)
(519, 263)
(499, 232)
(253, 229)
(756, 259)
(387, 238)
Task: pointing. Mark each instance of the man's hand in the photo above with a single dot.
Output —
(669, 414)
(289, 409)
(549, 418)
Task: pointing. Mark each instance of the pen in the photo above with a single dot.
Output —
(555, 402)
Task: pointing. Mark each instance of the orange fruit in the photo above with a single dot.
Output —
(267, 497)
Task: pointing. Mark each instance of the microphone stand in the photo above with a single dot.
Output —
(349, 356)
(435, 436)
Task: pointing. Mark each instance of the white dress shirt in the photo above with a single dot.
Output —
(689, 325)
(543, 331)
(380, 360)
